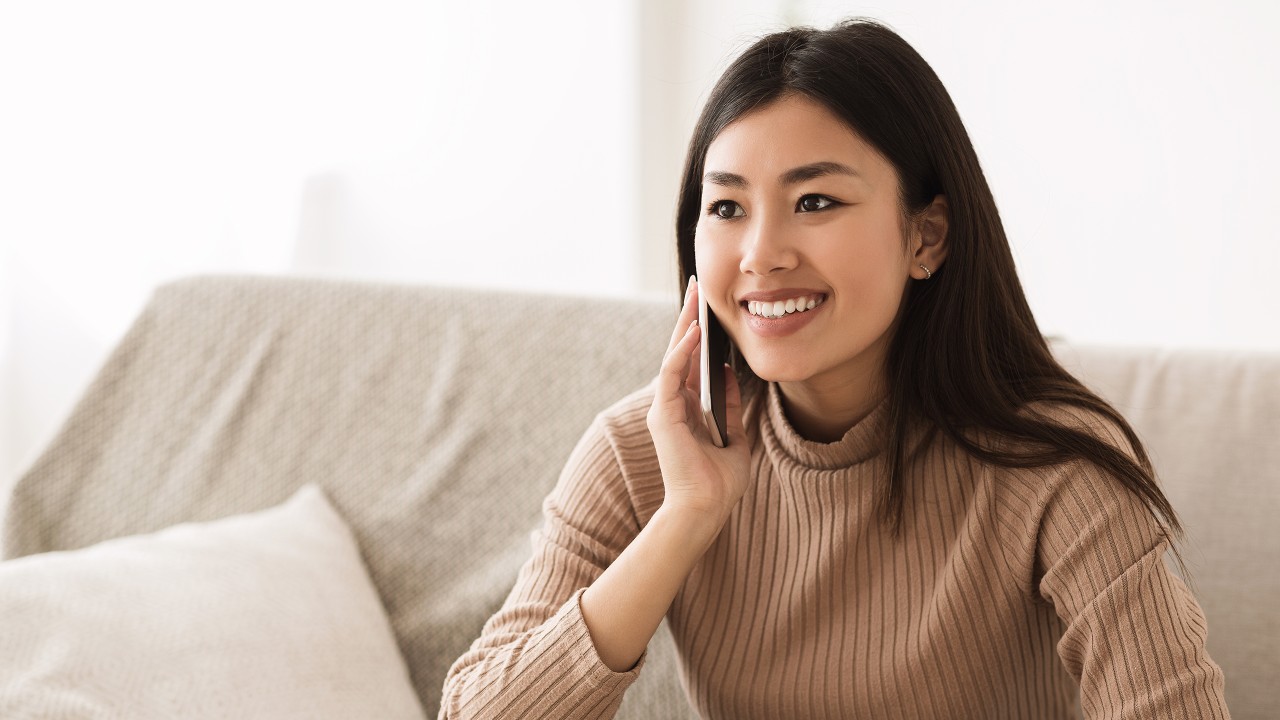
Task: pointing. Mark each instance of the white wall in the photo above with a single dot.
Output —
(538, 146)
(519, 170)
(481, 143)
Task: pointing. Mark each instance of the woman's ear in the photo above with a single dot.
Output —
(931, 236)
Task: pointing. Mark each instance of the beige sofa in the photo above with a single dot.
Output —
(436, 420)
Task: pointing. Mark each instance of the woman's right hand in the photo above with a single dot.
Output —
(698, 476)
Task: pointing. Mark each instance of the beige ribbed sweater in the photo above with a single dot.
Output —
(1009, 590)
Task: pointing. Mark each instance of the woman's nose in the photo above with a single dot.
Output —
(767, 248)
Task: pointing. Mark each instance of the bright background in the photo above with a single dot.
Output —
(1131, 147)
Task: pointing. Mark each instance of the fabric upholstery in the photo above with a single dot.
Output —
(434, 419)
(263, 615)
(437, 419)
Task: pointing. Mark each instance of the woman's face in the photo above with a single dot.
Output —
(797, 209)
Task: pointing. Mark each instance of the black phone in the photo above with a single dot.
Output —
(715, 352)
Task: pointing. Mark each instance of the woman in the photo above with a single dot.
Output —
(918, 513)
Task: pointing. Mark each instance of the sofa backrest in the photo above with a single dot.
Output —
(437, 419)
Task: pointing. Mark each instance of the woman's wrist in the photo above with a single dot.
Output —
(698, 525)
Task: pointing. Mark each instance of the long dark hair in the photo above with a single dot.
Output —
(967, 354)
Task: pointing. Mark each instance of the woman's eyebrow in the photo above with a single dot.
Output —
(790, 177)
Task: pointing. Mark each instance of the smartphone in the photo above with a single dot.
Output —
(715, 352)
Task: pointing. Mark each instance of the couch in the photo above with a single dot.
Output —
(436, 419)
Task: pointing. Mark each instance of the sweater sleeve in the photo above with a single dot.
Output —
(1134, 636)
(535, 657)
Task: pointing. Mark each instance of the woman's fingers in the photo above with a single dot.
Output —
(695, 363)
(673, 398)
(688, 313)
(674, 374)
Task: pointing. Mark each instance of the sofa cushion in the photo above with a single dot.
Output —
(268, 614)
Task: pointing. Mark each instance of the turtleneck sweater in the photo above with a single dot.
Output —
(1010, 593)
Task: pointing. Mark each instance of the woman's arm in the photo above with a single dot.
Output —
(625, 605)
(535, 657)
(1134, 636)
(570, 638)
(701, 485)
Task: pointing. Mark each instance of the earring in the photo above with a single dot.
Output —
(927, 274)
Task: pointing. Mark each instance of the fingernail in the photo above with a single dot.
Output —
(688, 287)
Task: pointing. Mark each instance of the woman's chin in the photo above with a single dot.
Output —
(779, 372)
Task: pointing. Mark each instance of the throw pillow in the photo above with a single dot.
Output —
(264, 615)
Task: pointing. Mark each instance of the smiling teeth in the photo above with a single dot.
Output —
(779, 308)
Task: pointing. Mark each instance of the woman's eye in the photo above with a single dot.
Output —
(813, 203)
(725, 209)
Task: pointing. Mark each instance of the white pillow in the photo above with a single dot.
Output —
(264, 615)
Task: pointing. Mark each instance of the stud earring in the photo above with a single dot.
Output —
(927, 275)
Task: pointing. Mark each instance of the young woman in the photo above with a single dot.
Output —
(918, 514)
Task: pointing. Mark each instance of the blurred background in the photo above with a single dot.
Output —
(537, 146)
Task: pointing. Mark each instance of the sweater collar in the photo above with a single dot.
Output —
(862, 442)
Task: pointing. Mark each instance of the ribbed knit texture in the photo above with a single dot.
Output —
(1008, 591)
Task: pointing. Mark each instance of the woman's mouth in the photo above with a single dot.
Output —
(780, 308)
(782, 317)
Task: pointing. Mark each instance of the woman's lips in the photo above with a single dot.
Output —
(783, 326)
